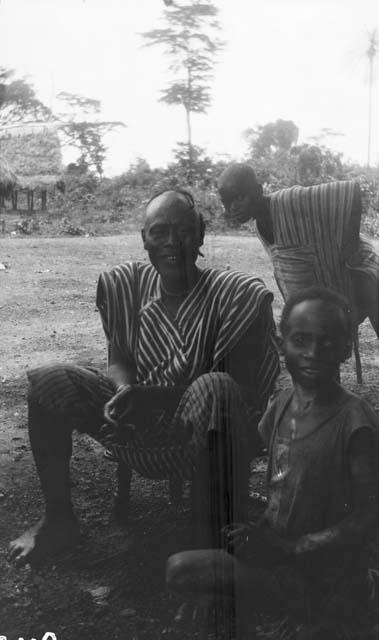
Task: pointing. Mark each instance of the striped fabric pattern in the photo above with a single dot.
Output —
(201, 409)
(219, 310)
(78, 394)
(304, 215)
(311, 227)
(75, 396)
(157, 463)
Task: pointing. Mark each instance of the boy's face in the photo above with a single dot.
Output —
(315, 342)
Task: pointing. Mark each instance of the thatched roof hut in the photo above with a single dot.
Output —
(34, 152)
(8, 179)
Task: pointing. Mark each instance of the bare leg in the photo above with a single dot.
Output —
(200, 575)
(219, 489)
(61, 397)
(213, 411)
(58, 530)
(209, 581)
(47, 537)
(122, 496)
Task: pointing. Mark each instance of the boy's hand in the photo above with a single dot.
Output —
(236, 537)
(260, 545)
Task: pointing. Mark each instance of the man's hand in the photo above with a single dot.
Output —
(119, 405)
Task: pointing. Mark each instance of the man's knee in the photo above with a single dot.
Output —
(185, 569)
(45, 383)
(199, 571)
(69, 390)
(218, 384)
(176, 572)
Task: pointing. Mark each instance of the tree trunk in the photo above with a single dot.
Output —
(369, 127)
(30, 197)
(14, 199)
(189, 143)
(43, 199)
(189, 129)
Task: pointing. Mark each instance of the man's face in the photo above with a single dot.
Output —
(314, 343)
(242, 201)
(239, 207)
(171, 236)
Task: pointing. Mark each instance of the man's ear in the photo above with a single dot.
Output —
(143, 235)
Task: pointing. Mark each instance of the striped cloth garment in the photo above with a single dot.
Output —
(173, 452)
(158, 443)
(313, 229)
(218, 311)
(188, 351)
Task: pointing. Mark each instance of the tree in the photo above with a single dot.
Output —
(197, 164)
(190, 41)
(316, 164)
(272, 137)
(371, 53)
(87, 134)
(280, 163)
(18, 102)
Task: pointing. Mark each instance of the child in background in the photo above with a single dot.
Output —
(308, 559)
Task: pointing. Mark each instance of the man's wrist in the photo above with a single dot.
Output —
(123, 387)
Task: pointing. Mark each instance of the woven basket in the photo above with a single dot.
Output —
(156, 463)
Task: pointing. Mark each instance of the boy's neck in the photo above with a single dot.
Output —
(323, 394)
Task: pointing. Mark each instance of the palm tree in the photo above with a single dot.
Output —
(371, 53)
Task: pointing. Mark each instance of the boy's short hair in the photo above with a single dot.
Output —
(318, 293)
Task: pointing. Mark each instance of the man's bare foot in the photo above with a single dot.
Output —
(45, 538)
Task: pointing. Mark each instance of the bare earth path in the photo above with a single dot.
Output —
(112, 586)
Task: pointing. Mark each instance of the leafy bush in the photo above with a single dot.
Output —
(116, 205)
(71, 229)
(27, 226)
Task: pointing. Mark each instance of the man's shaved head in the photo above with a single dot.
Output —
(170, 200)
(238, 177)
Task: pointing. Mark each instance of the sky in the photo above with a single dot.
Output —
(300, 60)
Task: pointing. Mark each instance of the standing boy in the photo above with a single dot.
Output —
(307, 560)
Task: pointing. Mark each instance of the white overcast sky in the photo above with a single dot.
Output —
(302, 60)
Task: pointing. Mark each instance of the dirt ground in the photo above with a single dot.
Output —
(112, 586)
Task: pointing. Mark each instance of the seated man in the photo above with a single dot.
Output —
(203, 338)
(306, 562)
(311, 235)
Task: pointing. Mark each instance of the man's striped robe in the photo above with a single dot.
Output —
(190, 351)
(316, 238)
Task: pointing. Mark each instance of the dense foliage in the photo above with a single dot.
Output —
(18, 101)
(82, 130)
(90, 203)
